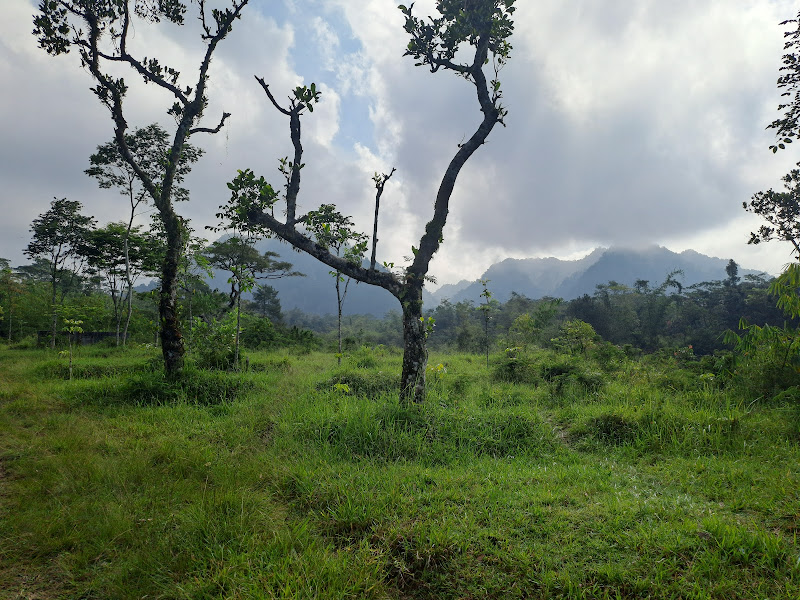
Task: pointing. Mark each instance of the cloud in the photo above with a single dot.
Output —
(628, 123)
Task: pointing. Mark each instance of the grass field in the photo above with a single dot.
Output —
(548, 477)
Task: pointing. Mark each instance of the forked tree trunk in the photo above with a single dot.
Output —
(415, 354)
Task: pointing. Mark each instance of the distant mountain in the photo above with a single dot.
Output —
(538, 277)
(532, 277)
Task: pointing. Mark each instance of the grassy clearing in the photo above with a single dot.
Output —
(549, 478)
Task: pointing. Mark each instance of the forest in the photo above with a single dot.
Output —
(164, 438)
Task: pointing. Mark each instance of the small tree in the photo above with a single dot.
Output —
(483, 26)
(149, 146)
(72, 327)
(335, 232)
(100, 30)
(192, 271)
(10, 295)
(59, 236)
(267, 304)
(120, 254)
(781, 210)
(486, 308)
(246, 265)
(576, 336)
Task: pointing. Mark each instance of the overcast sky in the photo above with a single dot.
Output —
(629, 123)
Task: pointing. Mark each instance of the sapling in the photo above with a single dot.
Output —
(71, 327)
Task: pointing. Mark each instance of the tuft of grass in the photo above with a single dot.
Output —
(193, 386)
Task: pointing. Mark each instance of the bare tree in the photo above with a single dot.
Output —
(482, 25)
(100, 31)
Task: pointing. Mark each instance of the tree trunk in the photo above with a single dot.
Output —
(54, 327)
(190, 294)
(116, 301)
(339, 323)
(415, 354)
(129, 303)
(128, 282)
(171, 339)
(238, 325)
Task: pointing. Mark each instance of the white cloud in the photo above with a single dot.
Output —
(328, 42)
(628, 123)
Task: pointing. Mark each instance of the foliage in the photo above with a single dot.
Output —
(150, 147)
(72, 327)
(266, 303)
(59, 237)
(246, 265)
(781, 210)
(788, 126)
(59, 234)
(576, 337)
(486, 307)
(215, 343)
(334, 232)
(769, 359)
(259, 333)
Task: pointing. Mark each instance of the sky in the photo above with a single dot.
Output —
(630, 124)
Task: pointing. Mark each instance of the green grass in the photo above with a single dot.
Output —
(301, 479)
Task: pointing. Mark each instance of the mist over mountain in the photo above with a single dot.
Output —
(532, 277)
(569, 279)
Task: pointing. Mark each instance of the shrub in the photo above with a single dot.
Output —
(515, 367)
(364, 383)
(213, 342)
(364, 358)
(258, 333)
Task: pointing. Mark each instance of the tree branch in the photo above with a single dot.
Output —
(380, 182)
(431, 239)
(261, 81)
(289, 234)
(293, 185)
(217, 129)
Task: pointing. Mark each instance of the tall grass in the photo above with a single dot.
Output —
(302, 479)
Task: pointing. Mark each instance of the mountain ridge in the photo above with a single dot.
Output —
(532, 277)
(566, 279)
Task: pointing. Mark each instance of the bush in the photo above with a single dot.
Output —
(613, 429)
(363, 383)
(563, 374)
(364, 358)
(428, 433)
(515, 367)
(258, 333)
(214, 342)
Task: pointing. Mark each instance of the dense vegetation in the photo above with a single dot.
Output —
(551, 474)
